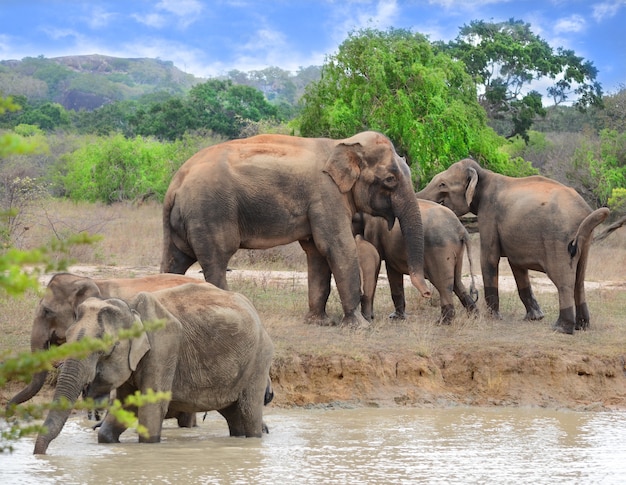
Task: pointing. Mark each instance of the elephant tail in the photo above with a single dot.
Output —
(616, 225)
(585, 229)
(470, 257)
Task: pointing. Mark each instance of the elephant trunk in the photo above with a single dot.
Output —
(39, 340)
(30, 390)
(407, 211)
(70, 384)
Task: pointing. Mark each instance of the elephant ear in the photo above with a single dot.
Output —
(472, 176)
(344, 165)
(83, 289)
(139, 346)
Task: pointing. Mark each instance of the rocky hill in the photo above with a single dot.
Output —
(90, 81)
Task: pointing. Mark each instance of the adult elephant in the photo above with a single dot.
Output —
(269, 190)
(445, 242)
(213, 353)
(56, 310)
(537, 223)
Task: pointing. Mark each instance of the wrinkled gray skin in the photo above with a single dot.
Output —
(445, 241)
(212, 354)
(537, 223)
(269, 190)
(56, 310)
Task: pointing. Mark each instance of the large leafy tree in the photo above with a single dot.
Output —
(396, 83)
(505, 58)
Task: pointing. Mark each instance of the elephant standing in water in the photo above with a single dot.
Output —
(537, 223)
(270, 190)
(445, 241)
(212, 354)
(56, 310)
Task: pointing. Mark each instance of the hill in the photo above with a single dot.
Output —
(90, 81)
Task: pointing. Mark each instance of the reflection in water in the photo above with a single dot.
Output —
(400, 445)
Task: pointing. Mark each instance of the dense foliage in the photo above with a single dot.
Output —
(396, 83)
(504, 58)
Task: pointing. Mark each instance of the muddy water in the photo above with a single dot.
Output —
(458, 445)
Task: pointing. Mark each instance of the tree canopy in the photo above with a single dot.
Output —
(397, 83)
(504, 58)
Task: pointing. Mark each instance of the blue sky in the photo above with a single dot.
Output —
(211, 37)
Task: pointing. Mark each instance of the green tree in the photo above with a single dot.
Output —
(504, 58)
(396, 83)
(225, 108)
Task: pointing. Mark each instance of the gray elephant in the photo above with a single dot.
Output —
(56, 310)
(212, 354)
(445, 241)
(369, 265)
(537, 223)
(269, 190)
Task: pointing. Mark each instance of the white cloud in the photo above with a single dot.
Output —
(573, 23)
(153, 20)
(99, 18)
(605, 10)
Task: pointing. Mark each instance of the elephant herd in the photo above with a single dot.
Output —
(350, 204)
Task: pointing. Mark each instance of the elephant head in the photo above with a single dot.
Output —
(379, 182)
(54, 315)
(101, 371)
(455, 187)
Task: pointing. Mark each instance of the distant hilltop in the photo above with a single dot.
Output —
(90, 81)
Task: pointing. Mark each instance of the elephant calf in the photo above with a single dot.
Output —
(212, 354)
(445, 240)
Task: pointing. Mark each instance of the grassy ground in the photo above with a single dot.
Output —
(131, 239)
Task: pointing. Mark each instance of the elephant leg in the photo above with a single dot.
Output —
(525, 292)
(396, 285)
(566, 322)
(175, 261)
(110, 429)
(233, 419)
(459, 288)
(319, 275)
(441, 275)
(184, 420)
(489, 260)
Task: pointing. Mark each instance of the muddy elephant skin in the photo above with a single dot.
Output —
(536, 223)
(270, 190)
(212, 353)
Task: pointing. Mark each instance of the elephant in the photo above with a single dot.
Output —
(369, 265)
(64, 292)
(56, 310)
(445, 240)
(213, 353)
(537, 223)
(270, 190)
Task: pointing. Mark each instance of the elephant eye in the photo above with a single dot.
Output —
(48, 313)
(442, 185)
(390, 180)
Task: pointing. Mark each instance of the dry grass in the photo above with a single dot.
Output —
(132, 239)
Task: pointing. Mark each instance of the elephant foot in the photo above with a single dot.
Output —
(321, 320)
(582, 317)
(447, 315)
(397, 315)
(265, 429)
(563, 327)
(495, 315)
(355, 321)
(582, 325)
(566, 322)
(534, 314)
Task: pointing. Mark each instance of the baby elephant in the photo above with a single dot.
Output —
(445, 240)
(212, 354)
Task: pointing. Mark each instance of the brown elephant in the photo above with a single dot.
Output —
(445, 241)
(270, 190)
(213, 353)
(537, 223)
(56, 310)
